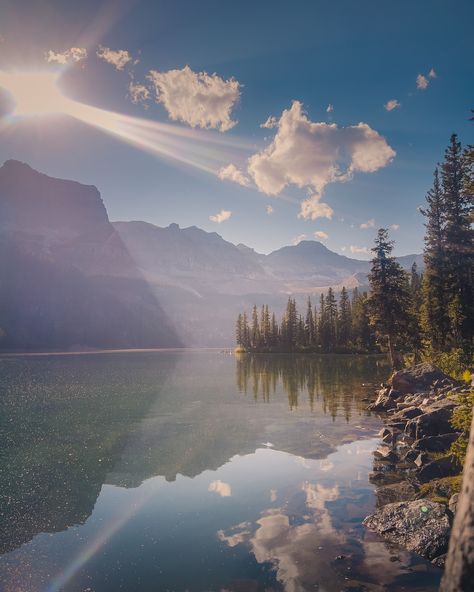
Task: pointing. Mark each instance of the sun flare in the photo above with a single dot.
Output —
(35, 93)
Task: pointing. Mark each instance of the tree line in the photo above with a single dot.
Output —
(402, 312)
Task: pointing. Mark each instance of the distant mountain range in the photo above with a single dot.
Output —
(69, 278)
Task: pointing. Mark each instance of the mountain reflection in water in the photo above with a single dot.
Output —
(119, 469)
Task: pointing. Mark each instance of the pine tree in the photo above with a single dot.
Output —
(323, 328)
(414, 329)
(459, 244)
(309, 325)
(331, 319)
(389, 300)
(255, 332)
(345, 319)
(434, 310)
(239, 335)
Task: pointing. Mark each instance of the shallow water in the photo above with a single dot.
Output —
(192, 471)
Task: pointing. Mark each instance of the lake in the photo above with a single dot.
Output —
(192, 471)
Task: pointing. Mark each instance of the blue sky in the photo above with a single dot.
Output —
(355, 56)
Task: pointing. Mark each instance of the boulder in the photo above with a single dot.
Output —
(406, 414)
(439, 443)
(397, 492)
(434, 421)
(421, 377)
(420, 526)
(385, 453)
(421, 459)
(447, 466)
(453, 503)
(386, 400)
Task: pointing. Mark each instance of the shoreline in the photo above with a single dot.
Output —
(415, 474)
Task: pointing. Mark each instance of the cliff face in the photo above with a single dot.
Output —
(31, 202)
(66, 278)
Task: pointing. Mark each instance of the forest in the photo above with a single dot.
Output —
(425, 314)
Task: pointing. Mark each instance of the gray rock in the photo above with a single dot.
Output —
(419, 378)
(397, 492)
(411, 455)
(453, 503)
(447, 466)
(420, 526)
(385, 453)
(439, 443)
(385, 400)
(440, 560)
(435, 420)
(421, 459)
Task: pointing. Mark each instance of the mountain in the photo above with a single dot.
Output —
(66, 279)
(71, 278)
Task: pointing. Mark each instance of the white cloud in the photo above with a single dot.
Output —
(369, 224)
(119, 58)
(330, 108)
(343, 248)
(197, 98)
(138, 93)
(270, 209)
(321, 234)
(392, 104)
(298, 239)
(422, 82)
(221, 216)
(270, 123)
(232, 173)
(432, 73)
(356, 249)
(311, 155)
(313, 208)
(394, 226)
(223, 489)
(74, 54)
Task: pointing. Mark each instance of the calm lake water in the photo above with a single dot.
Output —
(192, 471)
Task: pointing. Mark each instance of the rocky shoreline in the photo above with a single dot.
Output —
(415, 475)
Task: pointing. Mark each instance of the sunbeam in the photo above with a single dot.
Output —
(38, 94)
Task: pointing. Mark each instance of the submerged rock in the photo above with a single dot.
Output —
(420, 526)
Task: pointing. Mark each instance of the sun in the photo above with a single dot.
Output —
(34, 93)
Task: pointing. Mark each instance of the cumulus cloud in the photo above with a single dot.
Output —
(119, 58)
(356, 249)
(330, 108)
(197, 98)
(270, 123)
(298, 239)
(392, 104)
(422, 82)
(138, 93)
(321, 234)
(313, 208)
(394, 226)
(74, 54)
(311, 155)
(221, 216)
(232, 173)
(369, 224)
(220, 487)
(432, 73)
(270, 209)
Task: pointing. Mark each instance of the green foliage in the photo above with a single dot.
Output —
(454, 362)
(461, 421)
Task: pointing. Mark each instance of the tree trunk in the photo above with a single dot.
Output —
(459, 572)
(394, 360)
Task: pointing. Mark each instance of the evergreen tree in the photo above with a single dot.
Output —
(345, 319)
(331, 319)
(255, 332)
(434, 309)
(459, 244)
(309, 325)
(389, 300)
(323, 327)
(239, 334)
